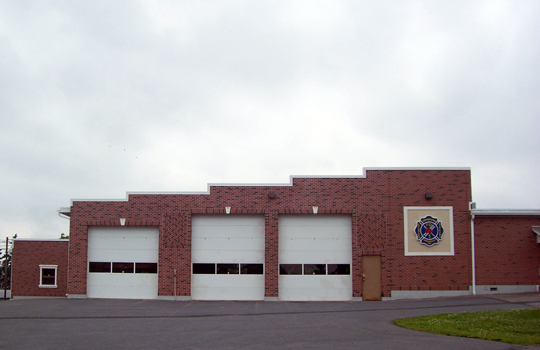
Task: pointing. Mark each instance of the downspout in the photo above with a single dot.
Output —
(63, 216)
(5, 270)
(11, 274)
(175, 284)
(473, 256)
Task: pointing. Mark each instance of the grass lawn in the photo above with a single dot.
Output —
(521, 326)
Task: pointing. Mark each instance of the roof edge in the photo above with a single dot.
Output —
(290, 183)
(41, 239)
(506, 212)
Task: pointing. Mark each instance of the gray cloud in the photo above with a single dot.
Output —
(99, 98)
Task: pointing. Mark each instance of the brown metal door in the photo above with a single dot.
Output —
(371, 287)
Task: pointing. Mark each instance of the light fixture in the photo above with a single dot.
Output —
(227, 210)
(428, 195)
(122, 221)
(271, 195)
(315, 209)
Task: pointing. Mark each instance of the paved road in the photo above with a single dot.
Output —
(136, 324)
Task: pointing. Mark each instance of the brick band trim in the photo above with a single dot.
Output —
(129, 222)
(233, 210)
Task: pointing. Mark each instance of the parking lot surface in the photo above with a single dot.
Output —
(155, 324)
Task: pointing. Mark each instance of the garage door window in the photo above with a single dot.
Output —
(290, 269)
(99, 267)
(251, 269)
(122, 267)
(314, 269)
(339, 269)
(145, 268)
(47, 276)
(227, 269)
(204, 269)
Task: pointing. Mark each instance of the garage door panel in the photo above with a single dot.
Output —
(216, 281)
(235, 231)
(122, 286)
(229, 257)
(314, 244)
(229, 293)
(324, 239)
(315, 257)
(123, 256)
(119, 232)
(315, 294)
(123, 244)
(305, 288)
(309, 258)
(227, 287)
(148, 255)
(317, 228)
(126, 243)
(122, 279)
(226, 243)
(313, 231)
(227, 239)
(125, 292)
(113, 232)
(315, 281)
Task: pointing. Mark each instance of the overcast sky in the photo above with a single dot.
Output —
(100, 98)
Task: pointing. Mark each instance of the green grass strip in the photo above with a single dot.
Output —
(521, 326)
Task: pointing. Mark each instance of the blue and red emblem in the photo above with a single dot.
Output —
(429, 231)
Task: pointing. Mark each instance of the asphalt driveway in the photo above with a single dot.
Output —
(148, 324)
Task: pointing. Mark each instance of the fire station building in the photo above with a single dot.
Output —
(387, 234)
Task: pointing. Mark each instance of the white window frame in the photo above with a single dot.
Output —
(55, 267)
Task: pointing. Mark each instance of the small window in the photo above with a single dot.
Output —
(251, 269)
(339, 269)
(227, 269)
(47, 276)
(314, 269)
(290, 269)
(99, 267)
(122, 267)
(146, 268)
(204, 269)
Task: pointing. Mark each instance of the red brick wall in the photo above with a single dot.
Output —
(375, 204)
(408, 188)
(506, 250)
(27, 256)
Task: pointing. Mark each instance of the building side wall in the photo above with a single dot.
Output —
(450, 188)
(375, 204)
(27, 256)
(506, 250)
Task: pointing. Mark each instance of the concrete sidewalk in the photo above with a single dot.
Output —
(143, 324)
(529, 299)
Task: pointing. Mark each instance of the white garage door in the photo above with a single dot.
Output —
(122, 262)
(227, 257)
(315, 257)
